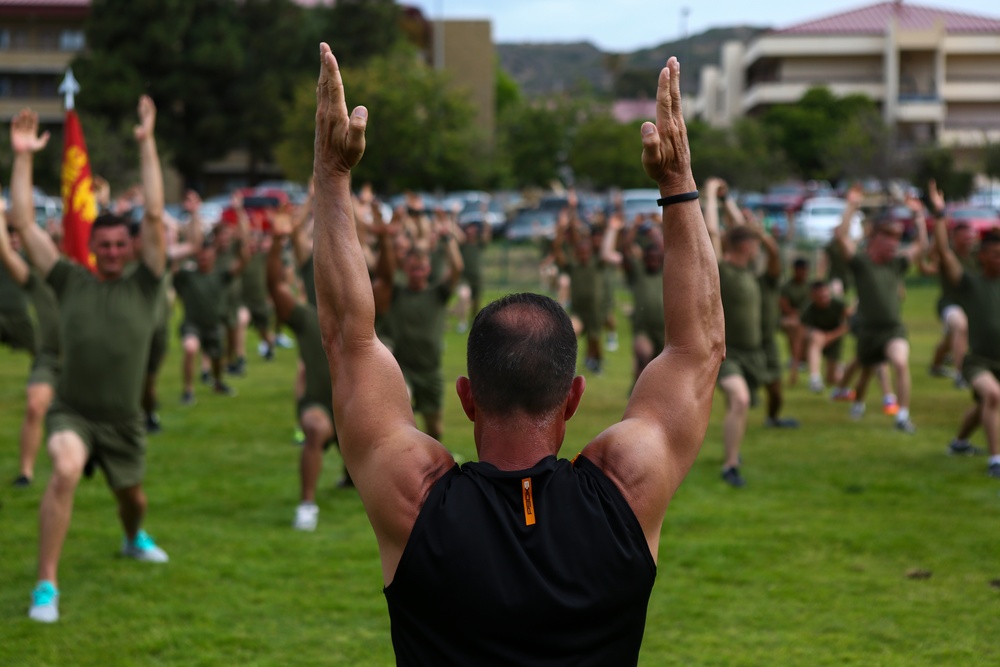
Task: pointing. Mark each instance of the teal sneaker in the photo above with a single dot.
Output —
(44, 603)
(144, 548)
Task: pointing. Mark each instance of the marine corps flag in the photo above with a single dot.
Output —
(79, 202)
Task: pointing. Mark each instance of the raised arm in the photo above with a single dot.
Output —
(610, 241)
(18, 269)
(25, 142)
(770, 244)
(947, 262)
(454, 253)
(277, 278)
(392, 463)
(650, 452)
(918, 249)
(842, 234)
(154, 244)
(711, 188)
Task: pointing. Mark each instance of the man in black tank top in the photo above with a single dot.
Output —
(521, 558)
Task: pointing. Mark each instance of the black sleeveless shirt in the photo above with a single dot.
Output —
(545, 566)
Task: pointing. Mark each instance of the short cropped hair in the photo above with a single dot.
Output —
(108, 220)
(800, 263)
(738, 235)
(521, 355)
(818, 284)
(991, 237)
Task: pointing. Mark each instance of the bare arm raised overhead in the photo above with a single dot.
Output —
(392, 463)
(18, 269)
(650, 451)
(25, 141)
(842, 234)
(154, 244)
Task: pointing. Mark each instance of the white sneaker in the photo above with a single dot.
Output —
(857, 411)
(263, 348)
(143, 548)
(44, 603)
(284, 342)
(816, 385)
(306, 517)
(611, 344)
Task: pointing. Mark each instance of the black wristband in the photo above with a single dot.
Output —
(677, 199)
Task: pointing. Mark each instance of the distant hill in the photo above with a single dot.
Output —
(544, 69)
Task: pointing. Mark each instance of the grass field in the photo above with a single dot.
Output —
(807, 565)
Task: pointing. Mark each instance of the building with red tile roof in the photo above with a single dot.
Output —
(932, 71)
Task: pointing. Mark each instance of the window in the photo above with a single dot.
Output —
(48, 39)
(48, 86)
(71, 40)
(4, 39)
(5, 87)
(20, 39)
(20, 86)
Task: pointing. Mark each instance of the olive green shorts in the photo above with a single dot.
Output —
(157, 350)
(426, 390)
(973, 366)
(751, 365)
(591, 316)
(118, 447)
(873, 342)
(44, 370)
(260, 314)
(210, 339)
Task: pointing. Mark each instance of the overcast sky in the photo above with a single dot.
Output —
(627, 25)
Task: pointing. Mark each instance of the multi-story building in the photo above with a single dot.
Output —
(934, 73)
(38, 40)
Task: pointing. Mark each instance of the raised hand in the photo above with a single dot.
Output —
(236, 200)
(340, 139)
(855, 195)
(147, 119)
(666, 156)
(936, 197)
(24, 137)
(281, 223)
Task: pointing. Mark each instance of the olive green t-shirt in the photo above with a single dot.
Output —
(224, 261)
(203, 295)
(254, 280)
(797, 294)
(308, 281)
(105, 328)
(949, 294)
(770, 309)
(46, 314)
(824, 319)
(13, 299)
(472, 264)
(417, 324)
(879, 305)
(439, 260)
(586, 285)
(304, 322)
(838, 265)
(647, 292)
(979, 297)
(741, 304)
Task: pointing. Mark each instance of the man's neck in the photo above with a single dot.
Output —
(519, 441)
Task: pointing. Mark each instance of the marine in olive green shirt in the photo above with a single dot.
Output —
(741, 302)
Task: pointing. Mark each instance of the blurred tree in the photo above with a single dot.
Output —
(605, 153)
(420, 133)
(939, 164)
(357, 30)
(991, 160)
(535, 138)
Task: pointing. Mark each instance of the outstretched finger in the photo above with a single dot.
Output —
(334, 82)
(663, 100)
(651, 155)
(674, 70)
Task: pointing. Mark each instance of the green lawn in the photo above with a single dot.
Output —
(807, 565)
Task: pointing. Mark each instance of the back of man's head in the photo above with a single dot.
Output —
(521, 355)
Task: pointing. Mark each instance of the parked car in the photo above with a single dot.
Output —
(979, 218)
(489, 212)
(532, 224)
(820, 216)
(640, 202)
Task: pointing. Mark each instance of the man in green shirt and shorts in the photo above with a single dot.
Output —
(19, 285)
(825, 322)
(315, 405)
(878, 270)
(106, 324)
(978, 293)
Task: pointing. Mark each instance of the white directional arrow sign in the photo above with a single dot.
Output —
(69, 87)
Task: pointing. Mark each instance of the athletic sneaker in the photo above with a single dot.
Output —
(206, 377)
(223, 389)
(284, 342)
(905, 426)
(960, 383)
(153, 423)
(994, 470)
(239, 367)
(890, 407)
(187, 398)
(857, 411)
(781, 422)
(841, 394)
(816, 385)
(144, 548)
(963, 448)
(611, 344)
(594, 365)
(942, 372)
(44, 603)
(732, 477)
(21, 482)
(306, 516)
